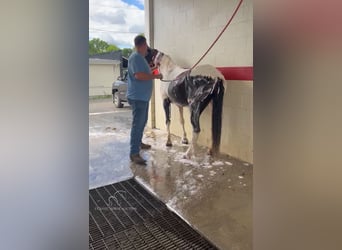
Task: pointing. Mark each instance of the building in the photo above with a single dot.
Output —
(184, 30)
(104, 69)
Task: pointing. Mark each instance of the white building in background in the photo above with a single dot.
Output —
(102, 74)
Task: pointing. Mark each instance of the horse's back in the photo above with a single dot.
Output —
(206, 70)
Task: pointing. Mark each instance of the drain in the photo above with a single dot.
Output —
(124, 215)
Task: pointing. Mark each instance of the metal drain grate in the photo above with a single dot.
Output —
(126, 216)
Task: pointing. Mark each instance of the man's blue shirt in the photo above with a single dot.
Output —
(137, 89)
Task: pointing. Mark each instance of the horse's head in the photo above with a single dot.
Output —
(157, 58)
(151, 53)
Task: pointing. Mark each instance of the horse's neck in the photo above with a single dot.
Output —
(176, 72)
(171, 70)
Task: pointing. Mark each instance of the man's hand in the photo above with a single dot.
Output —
(159, 76)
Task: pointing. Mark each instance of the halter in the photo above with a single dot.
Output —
(178, 77)
(186, 73)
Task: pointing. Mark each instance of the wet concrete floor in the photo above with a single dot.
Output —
(214, 195)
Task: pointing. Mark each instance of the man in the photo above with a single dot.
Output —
(138, 94)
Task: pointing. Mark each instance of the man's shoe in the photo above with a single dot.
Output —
(145, 146)
(136, 158)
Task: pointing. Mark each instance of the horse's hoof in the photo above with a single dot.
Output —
(188, 155)
(168, 144)
(185, 141)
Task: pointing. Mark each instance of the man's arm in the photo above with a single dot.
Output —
(144, 76)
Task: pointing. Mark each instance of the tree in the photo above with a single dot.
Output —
(97, 46)
(112, 47)
(126, 52)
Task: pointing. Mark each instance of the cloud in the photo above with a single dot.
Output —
(109, 17)
(137, 28)
(117, 40)
(115, 21)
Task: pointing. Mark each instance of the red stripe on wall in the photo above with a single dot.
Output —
(232, 73)
(237, 73)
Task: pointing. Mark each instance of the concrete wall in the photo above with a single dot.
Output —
(101, 77)
(184, 29)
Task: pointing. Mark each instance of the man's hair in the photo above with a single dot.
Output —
(139, 40)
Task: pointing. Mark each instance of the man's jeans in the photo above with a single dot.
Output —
(140, 115)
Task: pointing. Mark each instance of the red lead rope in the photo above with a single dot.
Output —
(218, 37)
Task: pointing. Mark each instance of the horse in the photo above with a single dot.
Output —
(193, 88)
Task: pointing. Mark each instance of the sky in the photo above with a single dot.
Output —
(116, 21)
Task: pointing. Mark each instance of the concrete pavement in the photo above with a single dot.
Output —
(214, 195)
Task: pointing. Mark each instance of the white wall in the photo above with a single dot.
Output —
(185, 29)
(101, 77)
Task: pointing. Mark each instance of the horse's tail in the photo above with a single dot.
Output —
(217, 115)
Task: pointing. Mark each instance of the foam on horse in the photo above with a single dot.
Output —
(194, 88)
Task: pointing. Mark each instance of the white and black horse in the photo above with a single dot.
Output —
(194, 88)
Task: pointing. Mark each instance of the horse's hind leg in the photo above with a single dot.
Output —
(191, 150)
(167, 109)
(184, 139)
(196, 111)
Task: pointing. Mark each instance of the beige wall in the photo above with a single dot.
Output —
(101, 77)
(184, 29)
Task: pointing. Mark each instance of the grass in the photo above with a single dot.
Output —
(99, 97)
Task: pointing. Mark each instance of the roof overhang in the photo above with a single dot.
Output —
(103, 61)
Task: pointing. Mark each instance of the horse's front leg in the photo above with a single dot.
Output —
(184, 139)
(167, 109)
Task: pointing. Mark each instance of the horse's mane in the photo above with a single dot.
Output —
(171, 69)
(169, 64)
